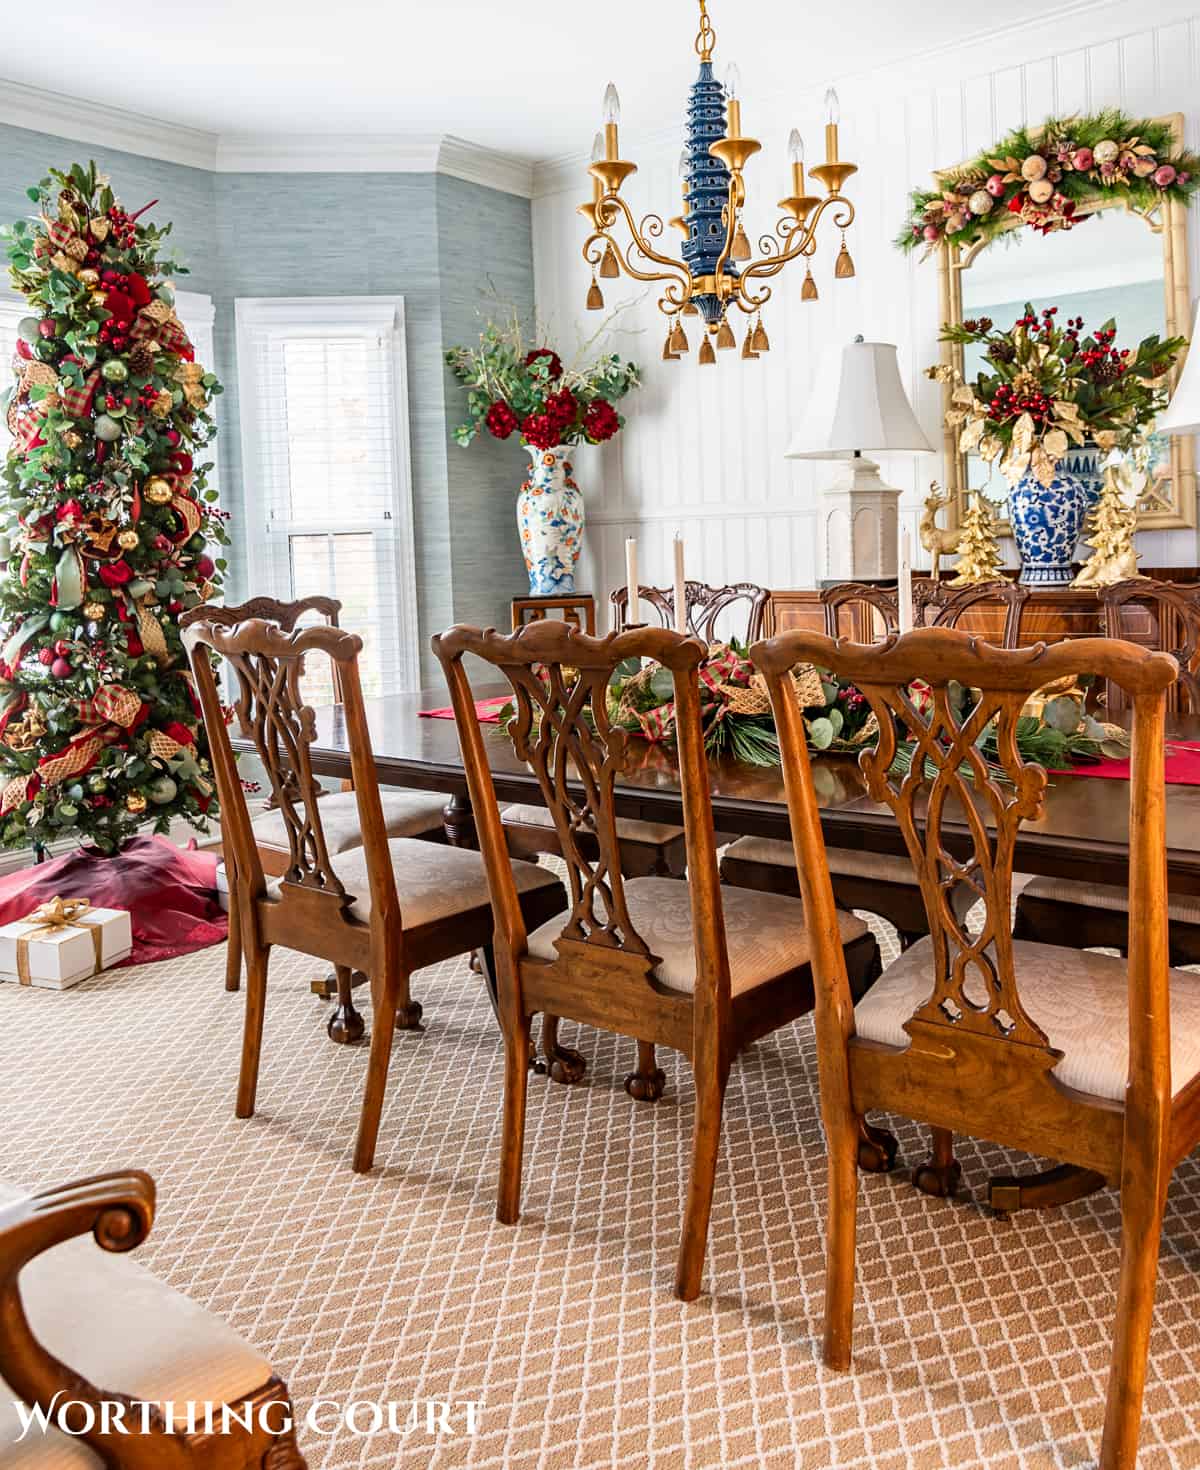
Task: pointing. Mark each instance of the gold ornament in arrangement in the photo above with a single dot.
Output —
(70, 438)
(127, 540)
(89, 278)
(162, 404)
(94, 611)
(23, 734)
(135, 802)
(157, 490)
(978, 553)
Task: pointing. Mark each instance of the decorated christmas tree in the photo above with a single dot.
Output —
(107, 524)
(978, 553)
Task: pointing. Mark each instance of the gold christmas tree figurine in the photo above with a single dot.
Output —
(1111, 525)
(978, 553)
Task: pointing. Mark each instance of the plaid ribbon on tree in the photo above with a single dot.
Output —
(111, 705)
(77, 400)
(158, 323)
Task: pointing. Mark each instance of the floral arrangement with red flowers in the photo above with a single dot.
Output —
(515, 389)
(1046, 385)
(1043, 176)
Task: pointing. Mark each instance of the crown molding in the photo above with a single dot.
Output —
(111, 127)
(968, 57)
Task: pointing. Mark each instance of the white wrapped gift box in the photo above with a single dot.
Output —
(55, 958)
(223, 887)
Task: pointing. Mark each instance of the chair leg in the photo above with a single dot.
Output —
(1142, 1204)
(512, 1141)
(346, 1024)
(647, 1082)
(391, 985)
(257, 958)
(940, 1173)
(233, 952)
(706, 1140)
(840, 1242)
(563, 1063)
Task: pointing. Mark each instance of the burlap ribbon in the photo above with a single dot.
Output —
(157, 322)
(111, 711)
(51, 918)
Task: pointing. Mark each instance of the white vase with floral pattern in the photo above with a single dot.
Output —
(550, 520)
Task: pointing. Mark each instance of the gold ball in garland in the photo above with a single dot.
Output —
(157, 490)
(127, 540)
(94, 611)
(89, 278)
(135, 802)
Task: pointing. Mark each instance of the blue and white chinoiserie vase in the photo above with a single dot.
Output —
(1047, 521)
(550, 520)
(1084, 464)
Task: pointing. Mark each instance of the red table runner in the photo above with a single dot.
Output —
(1183, 766)
(488, 711)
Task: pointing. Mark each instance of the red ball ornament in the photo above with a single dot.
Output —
(46, 656)
(47, 328)
(172, 437)
(205, 566)
(62, 648)
(60, 669)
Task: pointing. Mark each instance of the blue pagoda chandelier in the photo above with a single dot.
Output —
(717, 270)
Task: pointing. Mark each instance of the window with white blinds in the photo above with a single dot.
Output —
(328, 506)
(12, 309)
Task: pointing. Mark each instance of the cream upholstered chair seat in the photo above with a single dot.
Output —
(433, 881)
(126, 1332)
(629, 829)
(842, 860)
(1079, 998)
(405, 814)
(1115, 900)
(765, 933)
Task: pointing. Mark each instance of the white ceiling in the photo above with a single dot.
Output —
(521, 76)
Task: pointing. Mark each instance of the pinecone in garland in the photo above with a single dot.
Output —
(1106, 371)
(141, 359)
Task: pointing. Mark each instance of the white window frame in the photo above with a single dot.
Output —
(320, 316)
(13, 307)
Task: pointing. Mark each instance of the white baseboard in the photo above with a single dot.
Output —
(12, 860)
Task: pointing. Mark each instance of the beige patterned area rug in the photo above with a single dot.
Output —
(977, 1342)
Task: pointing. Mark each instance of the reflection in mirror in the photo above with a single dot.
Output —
(1110, 265)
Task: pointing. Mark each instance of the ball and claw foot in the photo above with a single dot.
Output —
(937, 1179)
(345, 1025)
(562, 1063)
(876, 1149)
(646, 1086)
(408, 1018)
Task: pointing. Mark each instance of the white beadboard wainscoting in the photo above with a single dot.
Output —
(702, 452)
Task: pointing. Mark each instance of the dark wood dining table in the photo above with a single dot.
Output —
(1083, 834)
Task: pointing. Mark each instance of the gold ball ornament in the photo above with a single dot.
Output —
(94, 611)
(1041, 191)
(127, 540)
(89, 278)
(1106, 151)
(157, 490)
(1034, 167)
(135, 802)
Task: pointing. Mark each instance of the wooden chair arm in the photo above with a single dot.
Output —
(118, 1209)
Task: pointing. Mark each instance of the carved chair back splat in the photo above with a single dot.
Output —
(1176, 605)
(950, 604)
(976, 1061)
(705, 605)
(868, 606)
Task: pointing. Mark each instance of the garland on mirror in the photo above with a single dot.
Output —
(1040, 177)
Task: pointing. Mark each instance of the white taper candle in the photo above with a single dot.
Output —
(680, 588)
(631, 579)
(904, 590)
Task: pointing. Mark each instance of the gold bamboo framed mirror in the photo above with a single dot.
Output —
(1136, 272)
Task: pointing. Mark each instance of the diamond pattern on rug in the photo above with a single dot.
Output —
(977, 1342)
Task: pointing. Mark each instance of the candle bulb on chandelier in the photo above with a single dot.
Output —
(680, 587)
(832, 116)
(796, 154)
(611, 118)
(733, 88)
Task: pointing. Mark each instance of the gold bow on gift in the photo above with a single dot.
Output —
(56, 914)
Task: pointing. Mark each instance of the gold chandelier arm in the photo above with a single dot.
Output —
(730, 228)
(593, 258)
(800, 240)
(746, 300)
(678, 270)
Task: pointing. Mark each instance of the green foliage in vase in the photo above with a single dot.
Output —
(108, 519)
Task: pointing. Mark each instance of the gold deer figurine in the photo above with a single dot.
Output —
(937, 541)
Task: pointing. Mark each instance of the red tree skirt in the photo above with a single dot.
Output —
(170, 892)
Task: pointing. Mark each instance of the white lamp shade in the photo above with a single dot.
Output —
(1183, 411)
(858, 404)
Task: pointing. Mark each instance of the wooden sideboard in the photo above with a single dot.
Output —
(1050, 614)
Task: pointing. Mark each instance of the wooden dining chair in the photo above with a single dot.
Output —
(405, 813)
(860, 608)
(1094, 916)
(938, 605)
(1052, 1051)
(387, 908)
(705, 606)
(691, 966)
